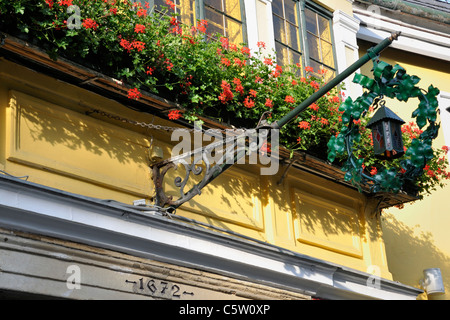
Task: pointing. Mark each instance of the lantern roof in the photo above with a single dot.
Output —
(384, 113)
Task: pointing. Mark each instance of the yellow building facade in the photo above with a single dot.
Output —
(73, 178)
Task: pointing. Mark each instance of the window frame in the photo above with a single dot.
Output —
(200, 13)
(301, 6)
(325, 14)
(300, 33)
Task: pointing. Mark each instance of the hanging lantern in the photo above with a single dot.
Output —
(386, 133)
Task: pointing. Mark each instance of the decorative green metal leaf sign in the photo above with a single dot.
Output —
(388, 82)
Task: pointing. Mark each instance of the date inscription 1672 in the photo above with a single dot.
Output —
(159, 288)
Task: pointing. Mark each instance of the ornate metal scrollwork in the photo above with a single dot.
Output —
(198, 162)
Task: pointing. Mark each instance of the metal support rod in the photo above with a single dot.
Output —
(371, 53)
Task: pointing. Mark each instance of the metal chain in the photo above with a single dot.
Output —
(136, 123)
(151, 125)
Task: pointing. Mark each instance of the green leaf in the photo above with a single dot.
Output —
(19, 8)
(364, 81)
(195, 98)
(381, 68)
(336, 145)
(23, 28)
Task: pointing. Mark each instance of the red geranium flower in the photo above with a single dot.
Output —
(65, 3)
(268, 61)
(90, 24)
(134, 94)
(314, 107)
(225, 61)
(139, 28)
(304, 125)
(201, 25)
(139, 45)
(149, 71)
(141, 13)
(289, 99)
(126, 44)
(245, 50)
(249, 103)
(170, 4)
(261, 44)
(174, 115)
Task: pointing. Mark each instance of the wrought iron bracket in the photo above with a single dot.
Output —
(197, 162)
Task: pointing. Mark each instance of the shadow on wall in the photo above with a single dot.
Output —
(409, 252)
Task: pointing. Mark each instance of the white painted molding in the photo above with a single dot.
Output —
(345, 29)
(375, 27)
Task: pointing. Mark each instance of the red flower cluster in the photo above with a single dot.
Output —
(304, 125)
(65, 3)
(314, 107)
(127, 45)
(139, 45)
(141, 12)
(245, 50)
(169, 65)
(201, 26)
(170, 4)
(90, 24)
(373, 171)
(226, 94)
(265, 148)
(249, 103)
(134, 94)
(186, 84)
(411, 130)
(239, 88)
(261, 44)
(176, 26)
(225, 62)
(324, 121)
(239, 62)
(268, 61)
(174, 114)
(335, 99)
(224, 42)
(289, 99)
(315, 85)
(139, 28)
(277, 72)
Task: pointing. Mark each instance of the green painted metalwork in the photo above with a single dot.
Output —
(391, 82)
